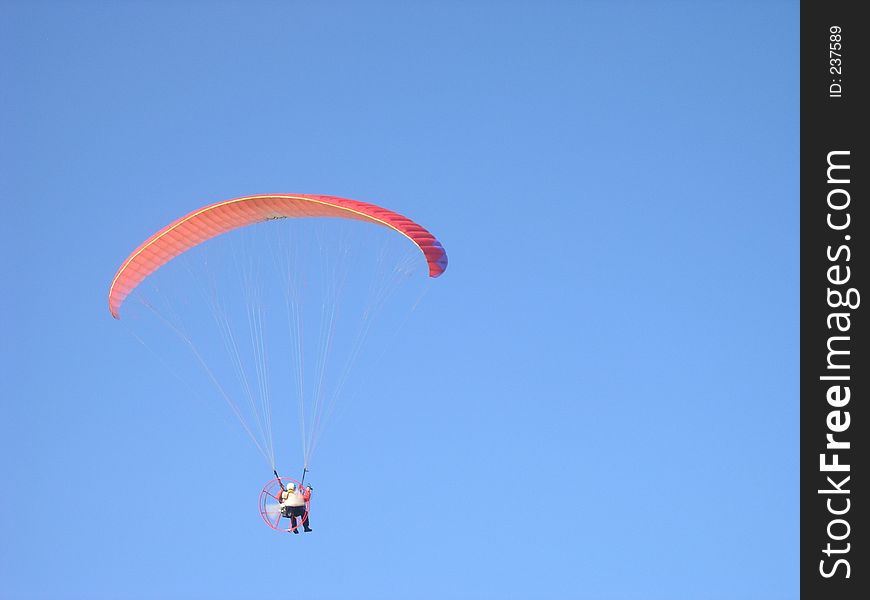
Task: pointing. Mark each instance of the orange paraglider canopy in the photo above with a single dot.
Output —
(213, 220)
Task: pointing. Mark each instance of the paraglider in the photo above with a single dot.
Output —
(286, 499)
(213, 220)
(294, 503)
(318, 383)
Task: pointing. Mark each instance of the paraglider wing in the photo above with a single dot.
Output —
(215, 219)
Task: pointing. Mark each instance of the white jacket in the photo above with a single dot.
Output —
(292, 499)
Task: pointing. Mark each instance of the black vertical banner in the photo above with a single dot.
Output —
(835, 368)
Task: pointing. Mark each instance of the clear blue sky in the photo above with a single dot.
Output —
(608, 403)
